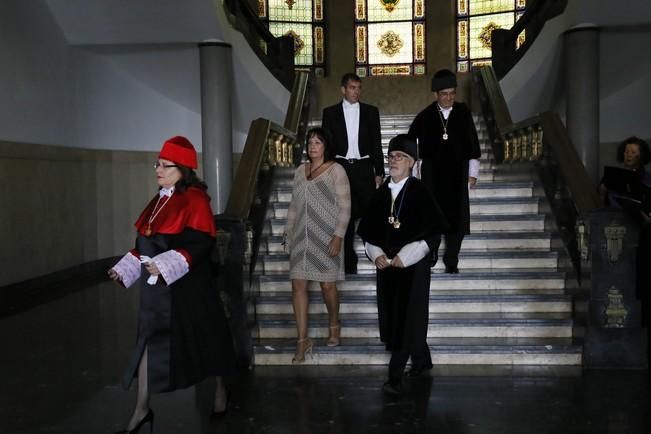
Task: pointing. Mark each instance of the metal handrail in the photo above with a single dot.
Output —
(268, 145)
(543, 140)
(277, 53)
(504, 42)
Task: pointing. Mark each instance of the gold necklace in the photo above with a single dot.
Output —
(394, 216)
(444, 123)
(154, 213)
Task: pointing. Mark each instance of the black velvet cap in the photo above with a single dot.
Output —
(404, 143)
(444, 79)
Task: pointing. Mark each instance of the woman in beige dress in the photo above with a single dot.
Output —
(316, 224)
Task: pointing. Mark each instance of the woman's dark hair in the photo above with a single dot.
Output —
(325, 136)
(189, 179)
(645, 152)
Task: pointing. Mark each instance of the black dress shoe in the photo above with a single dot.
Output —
(416, 371)
(392, 387)
(452, 270)
(149, 417)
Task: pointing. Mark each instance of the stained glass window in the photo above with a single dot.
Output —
(303, 20)
(389, 37)
(476, 20)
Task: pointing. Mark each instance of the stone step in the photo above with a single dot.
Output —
(507, 223)
(477, 282)
(386, 120)
(392, 126)
(494, 206)
(390, 133)
(455, 351)
(478, 223)
(507, 259)
(486, 161)
(485, 176)
(480, 325)
(502, 189)
(477, 241)
(281, 303)
(402, 122)
(285, 176)
(481, 190)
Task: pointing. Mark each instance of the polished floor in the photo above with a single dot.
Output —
(62, 363)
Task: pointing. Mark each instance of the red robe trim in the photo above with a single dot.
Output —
(188, 209)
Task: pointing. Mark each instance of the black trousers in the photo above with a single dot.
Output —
(362, 186)
(420, 358)
(403, 313)
(452, 248)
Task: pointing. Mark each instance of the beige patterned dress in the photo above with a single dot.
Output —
(320, 208)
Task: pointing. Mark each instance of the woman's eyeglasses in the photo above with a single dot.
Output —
(163, 165)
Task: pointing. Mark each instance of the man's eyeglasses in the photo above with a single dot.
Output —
(396, 157)
(163, 165)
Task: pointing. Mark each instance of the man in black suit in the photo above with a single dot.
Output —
(355, 128)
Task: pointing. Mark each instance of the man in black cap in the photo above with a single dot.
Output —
(449, 148)
(355, 129)
(399, 229)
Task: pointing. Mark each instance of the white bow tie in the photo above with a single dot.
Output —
(165, 192)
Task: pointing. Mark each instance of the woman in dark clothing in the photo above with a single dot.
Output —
(633, 153)
(182, 330)
(399, 230)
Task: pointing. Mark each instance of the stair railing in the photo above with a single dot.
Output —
(601, 241)
(509, 45)
(268, 145)
(277, 53)
(542, 140)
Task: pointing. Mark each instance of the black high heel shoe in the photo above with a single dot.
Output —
(149, 417)
(217, 414)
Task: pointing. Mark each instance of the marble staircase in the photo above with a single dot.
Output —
(512, 302)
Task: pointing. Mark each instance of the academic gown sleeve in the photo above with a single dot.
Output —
(421, 219)
(188, 217)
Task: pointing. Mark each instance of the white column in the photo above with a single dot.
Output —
(216, 120)
(582, 94)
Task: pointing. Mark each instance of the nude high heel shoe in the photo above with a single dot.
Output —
(303, 347)
(334, 338)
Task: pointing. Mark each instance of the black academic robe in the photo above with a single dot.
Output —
(183, 325)
(403, 293)
(445, 162)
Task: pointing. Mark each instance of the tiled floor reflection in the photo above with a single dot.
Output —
(62, 363)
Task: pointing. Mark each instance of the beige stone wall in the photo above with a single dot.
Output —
(392, 95)
(62, 206)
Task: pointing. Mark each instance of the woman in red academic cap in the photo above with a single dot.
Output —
(183, 336)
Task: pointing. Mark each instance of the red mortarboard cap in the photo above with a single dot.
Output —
(179, 150)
